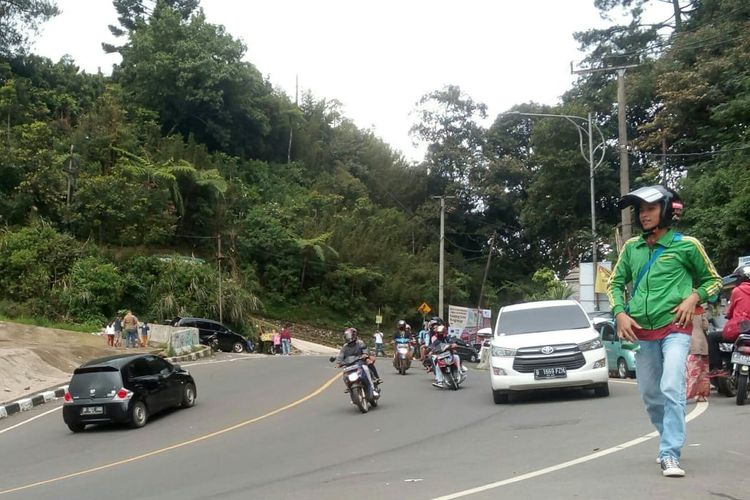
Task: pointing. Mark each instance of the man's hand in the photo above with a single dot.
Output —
(684, 312)
(625, 326)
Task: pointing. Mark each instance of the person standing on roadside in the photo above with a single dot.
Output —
(671, 275)
(276, 342)
(109, 331)
(130, 326)
(697, 382)
(286, 340)
(144, 334)
(378, 337)
(119, 334)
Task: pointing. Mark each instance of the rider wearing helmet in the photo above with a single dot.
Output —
(671, 275)
(402, 336)
(739, 311)
(354, 350)
(439, 339)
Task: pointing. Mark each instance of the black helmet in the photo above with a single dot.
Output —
(350, 335)
(671, 204)
(742, 272)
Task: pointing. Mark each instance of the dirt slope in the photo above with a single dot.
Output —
(34, 358)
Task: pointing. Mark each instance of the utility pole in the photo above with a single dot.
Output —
(622, 137)
(218, 258)
(486, 271)
(442, 253)
(593, 212)
(296, 103)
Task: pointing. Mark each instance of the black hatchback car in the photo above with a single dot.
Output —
(125, 388)
(228, 340)
(466, 351)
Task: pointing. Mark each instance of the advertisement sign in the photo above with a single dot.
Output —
(463, 322)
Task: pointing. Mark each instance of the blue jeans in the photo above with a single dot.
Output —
(286, 346)
(661, 382)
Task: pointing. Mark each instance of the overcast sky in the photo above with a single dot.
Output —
(376, 57)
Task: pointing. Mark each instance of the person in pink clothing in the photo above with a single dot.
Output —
(276, 342)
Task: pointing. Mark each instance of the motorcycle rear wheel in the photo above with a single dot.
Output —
(741, 389)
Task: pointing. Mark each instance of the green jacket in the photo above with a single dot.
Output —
(683, 267)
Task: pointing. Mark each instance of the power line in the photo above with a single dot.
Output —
(701, 153)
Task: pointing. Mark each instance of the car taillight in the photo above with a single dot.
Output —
(745, 349)
(68, 398)
(122, 394)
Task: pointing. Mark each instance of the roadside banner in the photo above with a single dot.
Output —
(464, 322)
(602, 277)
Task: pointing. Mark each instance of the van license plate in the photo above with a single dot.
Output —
(92, 410)
(740, 358)
(556, 372)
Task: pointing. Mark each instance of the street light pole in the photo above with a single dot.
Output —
(592, 168)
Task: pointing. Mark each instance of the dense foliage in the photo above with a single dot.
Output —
(185, 183)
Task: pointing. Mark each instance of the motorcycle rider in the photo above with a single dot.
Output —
(353, 350)
(401, 336)
(739, 310)
(438, 340)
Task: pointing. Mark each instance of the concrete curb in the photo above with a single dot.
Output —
(28, 403)
(203, 353)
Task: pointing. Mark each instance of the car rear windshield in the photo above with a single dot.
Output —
(543, 319)
(103, 380)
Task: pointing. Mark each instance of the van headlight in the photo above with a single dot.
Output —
(502, 352)
(591, 344)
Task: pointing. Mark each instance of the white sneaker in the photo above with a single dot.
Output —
(670, 467)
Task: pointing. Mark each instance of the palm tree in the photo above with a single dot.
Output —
(316, 246)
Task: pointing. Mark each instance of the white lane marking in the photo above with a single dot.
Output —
(699, 409)
(30, 419)
(629, 382)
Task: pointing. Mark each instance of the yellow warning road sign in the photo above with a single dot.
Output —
(424, 309)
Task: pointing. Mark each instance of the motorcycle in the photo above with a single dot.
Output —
(741, 362)
(445, 357)
(212, 341)
(360, 391)
(402, 358)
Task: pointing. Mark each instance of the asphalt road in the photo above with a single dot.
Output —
(271, 428)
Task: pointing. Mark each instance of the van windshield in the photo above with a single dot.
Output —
(543, 319)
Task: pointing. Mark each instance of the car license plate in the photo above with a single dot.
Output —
(92, 410)
(555, 372)
(740, 358)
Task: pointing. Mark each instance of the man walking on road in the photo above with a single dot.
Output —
(664, 266)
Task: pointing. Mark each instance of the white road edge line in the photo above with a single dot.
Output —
(30, 420)
(699, 409)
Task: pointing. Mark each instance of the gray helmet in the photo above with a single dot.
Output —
(350, 335)
(671, 204)
(742, 272)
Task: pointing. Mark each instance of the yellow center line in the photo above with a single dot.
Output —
(178, 445)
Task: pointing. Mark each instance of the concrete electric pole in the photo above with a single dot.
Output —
(622, 138)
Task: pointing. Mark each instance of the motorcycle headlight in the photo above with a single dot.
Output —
(353, 376)
(502, 352)
(591, 344)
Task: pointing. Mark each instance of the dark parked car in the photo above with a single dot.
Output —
(228, 340)
(126, 388)
(466, 351)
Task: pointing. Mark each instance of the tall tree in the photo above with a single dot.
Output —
(18, 16)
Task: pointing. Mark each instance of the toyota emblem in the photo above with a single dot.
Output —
(548, 349)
